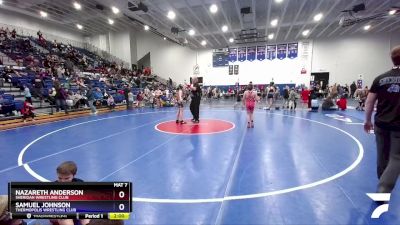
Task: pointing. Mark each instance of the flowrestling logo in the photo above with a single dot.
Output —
(380, 197)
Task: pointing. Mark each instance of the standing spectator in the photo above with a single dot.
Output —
(27, 110)
(27, 94)
(386, 90)
(91, 98)
(286, 91)
(353, 88)
(61, 97)
(126, 95)
(130, 99)
(292, 99)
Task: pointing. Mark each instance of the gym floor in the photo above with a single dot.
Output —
(293, 168)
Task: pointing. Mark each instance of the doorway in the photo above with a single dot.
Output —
(321, 78)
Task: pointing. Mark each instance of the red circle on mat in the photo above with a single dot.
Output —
(206, 126)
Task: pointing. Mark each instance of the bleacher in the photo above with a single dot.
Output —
(11, 93)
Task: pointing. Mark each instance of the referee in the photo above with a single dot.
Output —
(196, 98)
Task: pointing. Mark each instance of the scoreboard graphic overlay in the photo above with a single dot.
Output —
(72, 200)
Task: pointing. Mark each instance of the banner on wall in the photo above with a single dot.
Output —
(233, 54)
(242, 54)
(251, 53)
(271, 52)
(261, 52)
(293, 50)
(281, 51)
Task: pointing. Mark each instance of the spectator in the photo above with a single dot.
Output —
(139, 99)
(353, 88)
(342, 103)
(292, 99)
(328, 104)
(61, 97)
(91, 98)
(27, 111)
(126, 94)
(27, 94)
(111, 102)
(130, 99)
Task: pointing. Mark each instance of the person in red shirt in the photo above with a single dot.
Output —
(342, 103)
(27, 110)
(305, 95)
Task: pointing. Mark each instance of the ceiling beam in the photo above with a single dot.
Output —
(253, 6)
(213, 20)
(376, 9)
(335, 20)
(239, 14)
(281, 19)
(332, 8)
(269, 5)
(201, 22)
(310, 18)
(295, 19)
(161, 13)
(388, 25)
(230, 27)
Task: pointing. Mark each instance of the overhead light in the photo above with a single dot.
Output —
(271, 36)
(392, 12)
(1, 2)
(80, 27)
(204, 43)
(192, 32)
(224, 28)
(213, 8)
(146, 27)
(43, 14)
(318, 17)
(306, 32)
(110, 21)
(274, 22)
(367, 27)
(171, 15)
(115, 10)
(231, 40)
(278, 1)
(77, 6)
(165, 38)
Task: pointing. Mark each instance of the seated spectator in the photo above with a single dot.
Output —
(27, 111)
(342, 103)
(139, 99)
(328, 104)
(111, 102)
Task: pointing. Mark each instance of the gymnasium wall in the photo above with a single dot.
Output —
(346, 58)
(35, 24)
(167, 59)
